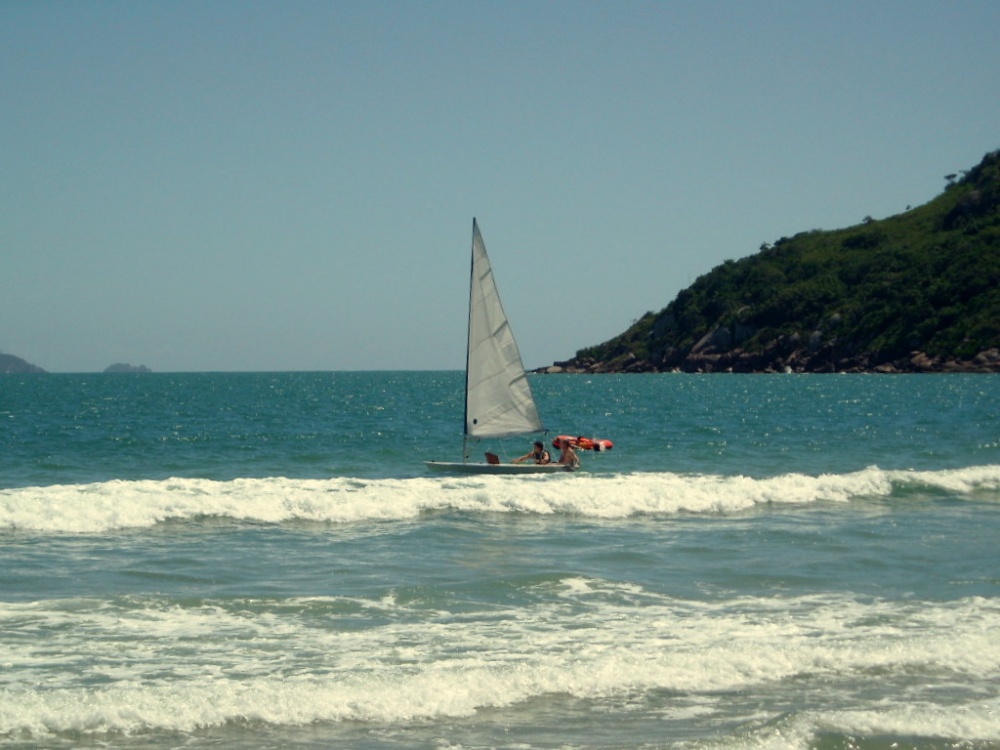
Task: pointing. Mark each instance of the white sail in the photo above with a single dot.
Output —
(498, 400)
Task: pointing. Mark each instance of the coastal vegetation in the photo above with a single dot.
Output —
(919, 291)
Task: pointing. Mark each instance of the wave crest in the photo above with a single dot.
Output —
(105, 506)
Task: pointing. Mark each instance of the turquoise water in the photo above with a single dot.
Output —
(262, 560)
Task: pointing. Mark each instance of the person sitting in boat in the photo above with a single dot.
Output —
(567, 455)
(538, 454)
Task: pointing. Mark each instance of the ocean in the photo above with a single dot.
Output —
(262, 560)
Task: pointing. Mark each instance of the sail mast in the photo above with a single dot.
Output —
(468, 343)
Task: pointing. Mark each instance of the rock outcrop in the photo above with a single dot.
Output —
(785, 356)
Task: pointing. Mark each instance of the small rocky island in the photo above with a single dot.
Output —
(9, 364)
(121, 367)
(916, 292)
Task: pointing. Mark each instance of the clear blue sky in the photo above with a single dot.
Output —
(290, 186)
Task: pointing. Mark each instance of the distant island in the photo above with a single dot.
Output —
(9, 364)
(916, 292)
(15, 365)
(120, 367)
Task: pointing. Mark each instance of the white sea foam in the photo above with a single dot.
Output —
(135, 665)
(112, 505)
(964, 725)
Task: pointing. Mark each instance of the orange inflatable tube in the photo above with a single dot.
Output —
(584, 443)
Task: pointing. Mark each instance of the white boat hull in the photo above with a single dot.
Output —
(457, 467)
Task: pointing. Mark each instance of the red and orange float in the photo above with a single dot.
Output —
(584, 443)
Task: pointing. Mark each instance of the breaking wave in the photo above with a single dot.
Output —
(121, 504)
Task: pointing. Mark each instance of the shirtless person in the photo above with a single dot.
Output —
(568, 456)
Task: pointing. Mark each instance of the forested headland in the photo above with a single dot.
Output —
(915, 292)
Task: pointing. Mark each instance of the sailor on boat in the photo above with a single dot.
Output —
(538, 455)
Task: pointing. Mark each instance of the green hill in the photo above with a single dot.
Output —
(915, 292)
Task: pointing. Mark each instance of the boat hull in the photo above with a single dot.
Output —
(457, 467)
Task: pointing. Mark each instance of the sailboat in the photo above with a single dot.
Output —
(498, 400)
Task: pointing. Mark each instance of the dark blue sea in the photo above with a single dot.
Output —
(263, 561)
